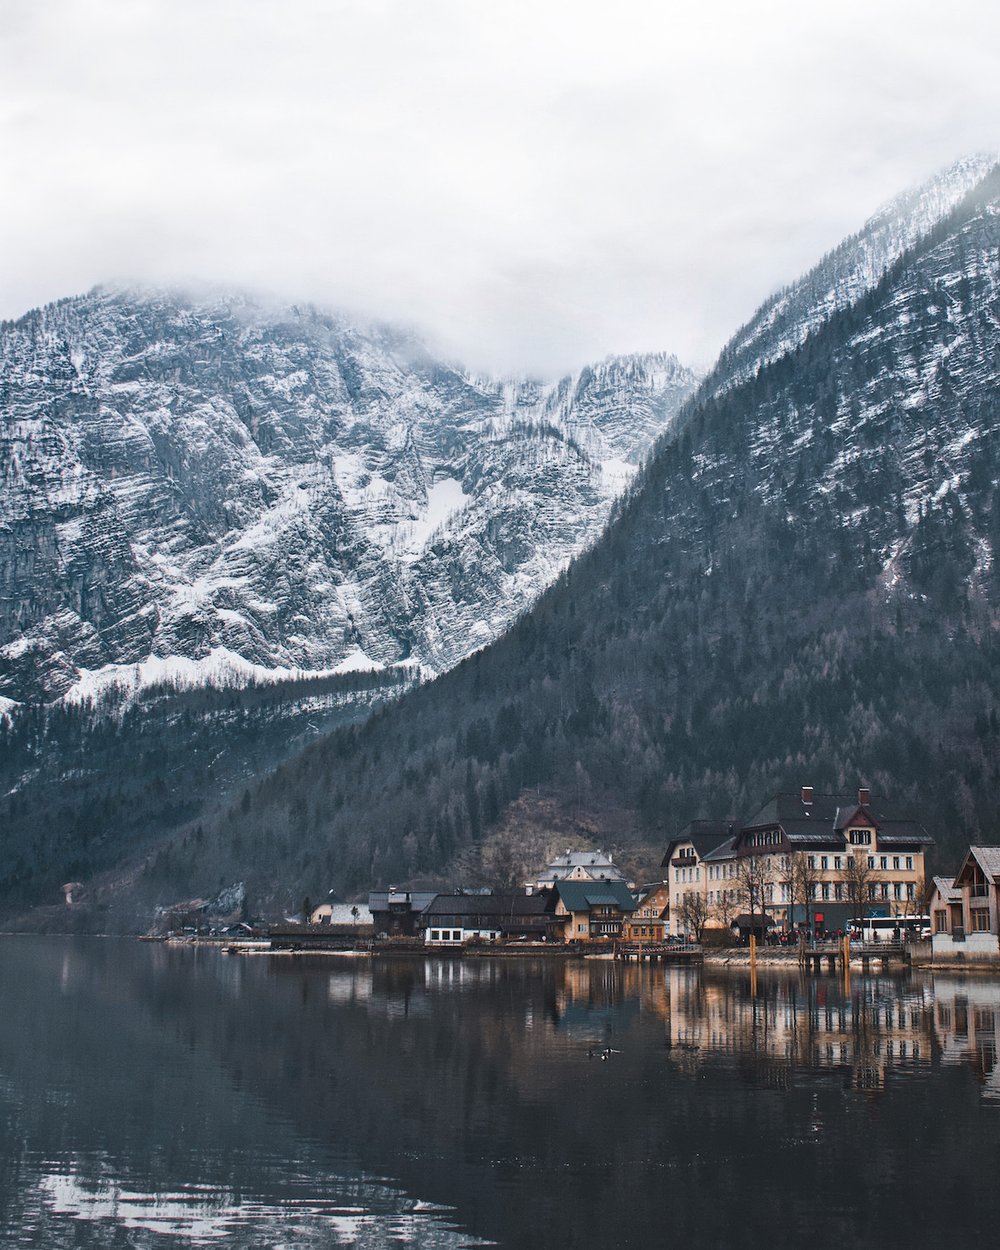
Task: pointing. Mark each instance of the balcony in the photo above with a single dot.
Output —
(979, 890)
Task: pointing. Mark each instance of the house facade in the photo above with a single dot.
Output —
(702, 853)
(648, 922)
(578, 866)
(944, 906)
(978, 881)
(965, 912)
(453, 919)
(802, 860)
(396, 913)
(592, 911)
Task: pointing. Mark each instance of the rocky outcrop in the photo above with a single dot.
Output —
(208, 479)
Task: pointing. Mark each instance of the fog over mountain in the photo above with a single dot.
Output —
(536, 185)
(212, 489)
(800, 587)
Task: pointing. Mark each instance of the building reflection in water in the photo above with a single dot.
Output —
(967, 1027)
(797, 1023)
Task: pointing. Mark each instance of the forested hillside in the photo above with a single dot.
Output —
(91, 784)
(802, 588)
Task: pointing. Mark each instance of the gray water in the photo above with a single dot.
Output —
(153, 1096)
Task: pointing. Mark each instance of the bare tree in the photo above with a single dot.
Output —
(751, 872)
(788, 880)
(860, 881)
(727, 906)
(807, 879)
(694, 913)
(502, 867)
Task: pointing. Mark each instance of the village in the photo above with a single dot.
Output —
(805, 873)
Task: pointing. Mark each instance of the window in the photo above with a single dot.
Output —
(980, 920)
(940, 922)
(871, 861)
(824, 861)
(897, 891)
(838, 892)
(838, 862)
(895, 863)
(911, 891)
(860, 837)
(826, 891)
(883, 863)
(812, 861)
(885, 889)
(909, 863)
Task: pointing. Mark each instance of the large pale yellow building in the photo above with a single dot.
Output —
(801, 859)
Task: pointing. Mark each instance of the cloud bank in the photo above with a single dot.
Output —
(532, 184)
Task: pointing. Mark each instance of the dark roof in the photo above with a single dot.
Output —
(723, 851)
(581, 895)
(825, 818)
(945, 886)
(704, 835)
(759, 921)
(415, 900)
(500, 906)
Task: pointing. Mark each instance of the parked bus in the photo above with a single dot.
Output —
(890, 928)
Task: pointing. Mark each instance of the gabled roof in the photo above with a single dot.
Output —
(597, 865)
(646, 892)
(827, 816)
(582, 895)
(413, 900)
(988, 859)
(946, 890)
(704, 835)
(726, 850)
(500, 906)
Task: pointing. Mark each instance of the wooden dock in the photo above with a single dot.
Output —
(663, 952)
(830, 956)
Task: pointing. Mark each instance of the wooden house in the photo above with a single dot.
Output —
(593, 911)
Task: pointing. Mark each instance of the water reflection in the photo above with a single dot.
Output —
(156, 1096)
(800, 1024)
(967, 1027)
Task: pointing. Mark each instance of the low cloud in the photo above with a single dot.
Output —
(533, 184)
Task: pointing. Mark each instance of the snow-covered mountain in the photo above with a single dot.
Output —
(843, 276)
(201, 483)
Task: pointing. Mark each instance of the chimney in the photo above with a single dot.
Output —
(807, 794)
(864, 797)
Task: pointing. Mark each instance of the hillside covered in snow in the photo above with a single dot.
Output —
(214, 489)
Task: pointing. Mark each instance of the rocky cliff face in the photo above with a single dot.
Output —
(214, 482)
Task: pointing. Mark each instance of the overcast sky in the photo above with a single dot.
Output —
(534, 184)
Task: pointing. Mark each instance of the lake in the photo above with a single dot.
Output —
(156, 1096)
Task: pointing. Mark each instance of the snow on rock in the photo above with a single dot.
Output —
(848, 272)
(205, 482)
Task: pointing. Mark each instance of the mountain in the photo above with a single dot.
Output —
(846, 274)
(216, 489)
(802, 587)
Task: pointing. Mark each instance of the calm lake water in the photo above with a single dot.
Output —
(171, 1097)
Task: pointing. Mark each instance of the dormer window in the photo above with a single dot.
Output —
(860, 837)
